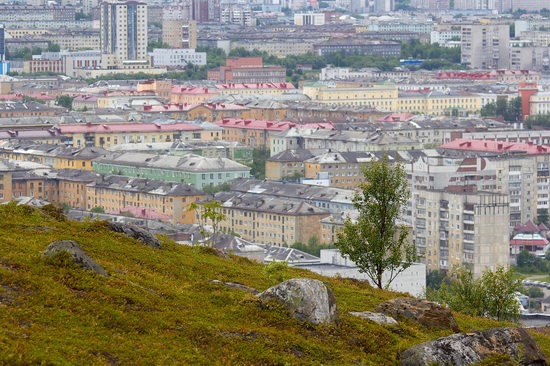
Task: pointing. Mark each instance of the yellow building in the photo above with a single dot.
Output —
(82, 158)
(209, 112)
(438, 103)
(191, 95)
(109, 135)
(380, 95)
(270, 220)
(161, 88)
(114, 193)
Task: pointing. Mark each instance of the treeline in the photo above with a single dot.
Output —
(26, 53)
(509, 110)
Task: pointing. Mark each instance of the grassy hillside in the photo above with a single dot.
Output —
(158, 307)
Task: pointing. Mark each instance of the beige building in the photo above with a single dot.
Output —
(124, 33)
(382, 95)
(270, 220)
(463, 228)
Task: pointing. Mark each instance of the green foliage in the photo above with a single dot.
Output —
(509, 110)
(98, 209)
(158, 307)
(82, 16)
(492, 295)
(314, 249)
(212, 190)
(425, 51)
(276, 271)
(208, 213)
(542, 120)
(151, 45)
(376, 242)
(65, 101)
(535, 292)
(259, 157)
(27, 99)
(529, 263)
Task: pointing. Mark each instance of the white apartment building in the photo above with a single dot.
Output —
(301, 19)
(124, 33)
(177, 57)
(238, 14)
(540, 103)
(485, 46)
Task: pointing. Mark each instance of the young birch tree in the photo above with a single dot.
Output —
(376, 242)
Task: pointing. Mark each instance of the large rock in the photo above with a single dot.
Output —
(137, 233)
(470, 348)
(79, 257)
(378, 318)
(427, 313)
(305, 299)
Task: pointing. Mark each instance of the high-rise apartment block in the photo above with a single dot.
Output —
(486, 46)
(458, 227)
(124, 34)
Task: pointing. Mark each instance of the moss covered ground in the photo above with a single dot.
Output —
(157, 307)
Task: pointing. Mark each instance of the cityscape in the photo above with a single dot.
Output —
(142, 112)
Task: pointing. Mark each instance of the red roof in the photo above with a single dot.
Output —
(542, 227)
(127, 127)
(178, 107)
(496, 146)
(395, 117)
(529, 227)
(255, 124)
(177, 89)
(286, 86)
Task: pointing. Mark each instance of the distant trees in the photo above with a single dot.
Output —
(509, 110)
(425, 51)
(542, 120)
(492, 295)
(375, 241)
(151, 45)
(259, 157)
(65, 101)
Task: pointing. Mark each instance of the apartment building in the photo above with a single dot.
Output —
(485, 46)
(343, 168)
(247, 70)
(197, 171)
(254, 133)
(199, 112)
(463, 227)
(376, 95)
(114, 193)
(124, 33)
(530, 58)
(269, 220)
(110, 135)
(334, 200)
(350, 141)
(177, 57)
(286, 164)
(277, 46)
(358, 47)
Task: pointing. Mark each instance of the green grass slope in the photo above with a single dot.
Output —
(158, 306)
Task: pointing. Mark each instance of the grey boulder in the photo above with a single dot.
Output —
(378, 318)
(305, 299)
(78, 256)
(136, 233)
(471, 348)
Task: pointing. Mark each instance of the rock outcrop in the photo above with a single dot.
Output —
(78, 256)
(378, 318)
(305, 299)
(137, 233)
(427, 313)
(469, 348)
